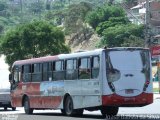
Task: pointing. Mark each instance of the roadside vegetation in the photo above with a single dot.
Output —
(34, 28)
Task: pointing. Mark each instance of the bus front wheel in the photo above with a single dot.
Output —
(27, 108)
(109, 111)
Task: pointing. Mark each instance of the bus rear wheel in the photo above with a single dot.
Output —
(5, 108)
(68, 106)
(27, 108)
(79, 112)
(13, 108)
(109, 111)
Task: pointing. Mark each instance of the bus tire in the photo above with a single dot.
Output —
(109, 111)
(27, 108)
(13, 108)
(63, 111)
(68, 106)
(79, 112)
(5, 108)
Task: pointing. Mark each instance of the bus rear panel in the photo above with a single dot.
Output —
(128, 75)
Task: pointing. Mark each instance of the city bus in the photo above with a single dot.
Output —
(101, 79)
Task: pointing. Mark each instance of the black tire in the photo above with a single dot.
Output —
(27, 108)
(79, 112)
(63, 111)
(68, 106)
(13, 108)
(5, 108)
(109, 111)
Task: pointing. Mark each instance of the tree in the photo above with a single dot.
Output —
(133, 41)
(37, 7)
(111, 23)
(3, 6)
(1, 28)
(31, 40)
(131, 1)
(103, 14)
(123, 35)
(75, 16)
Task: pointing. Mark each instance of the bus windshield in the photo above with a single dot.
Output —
(120, 61)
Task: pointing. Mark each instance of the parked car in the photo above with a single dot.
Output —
(5, 99)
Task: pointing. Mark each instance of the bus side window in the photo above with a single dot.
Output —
(71, 69)
(15, 78)
(16, 74)
(50, 76)
(58, 72)
(26, 73)
(36, 72)
(84, 68)
(47, 72)
(95, 66)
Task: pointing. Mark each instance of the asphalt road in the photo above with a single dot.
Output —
(150, 112)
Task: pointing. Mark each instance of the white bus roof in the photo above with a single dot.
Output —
(58, 57)
(71, 55)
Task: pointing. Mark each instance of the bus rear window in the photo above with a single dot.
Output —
(126, 60)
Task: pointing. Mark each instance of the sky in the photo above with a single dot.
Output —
(4, 73)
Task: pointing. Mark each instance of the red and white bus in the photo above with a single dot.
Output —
(102, 79)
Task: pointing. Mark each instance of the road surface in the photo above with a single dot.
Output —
(150, 112)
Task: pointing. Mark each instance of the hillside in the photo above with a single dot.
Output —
(88, 44)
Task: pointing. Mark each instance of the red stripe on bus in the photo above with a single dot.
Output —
(116, 100)
(36, 60)
(51, 102)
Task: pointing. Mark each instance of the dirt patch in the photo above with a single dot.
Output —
(83, 44)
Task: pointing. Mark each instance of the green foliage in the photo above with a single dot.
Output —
(103, 14)
(33, 40)
(37, 7)
(58, 4)
(111, 23)
(75, 16)
(3, 6)
(4, 20)
(1, 28)
(123, 35)
(133, 41)
(130, 1)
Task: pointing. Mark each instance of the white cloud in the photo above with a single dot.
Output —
(3, 65)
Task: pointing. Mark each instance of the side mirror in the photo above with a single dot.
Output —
(10, 77)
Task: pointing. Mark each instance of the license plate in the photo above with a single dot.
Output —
(129, 91)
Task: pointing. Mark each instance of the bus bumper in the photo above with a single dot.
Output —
(120, 101)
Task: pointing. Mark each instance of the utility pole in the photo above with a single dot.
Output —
(147, 25)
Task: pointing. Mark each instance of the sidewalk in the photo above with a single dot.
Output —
(156, 96)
